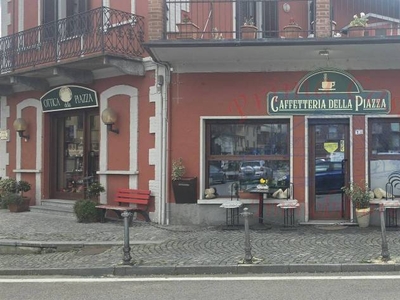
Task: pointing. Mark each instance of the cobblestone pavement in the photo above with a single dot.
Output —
(156, 245)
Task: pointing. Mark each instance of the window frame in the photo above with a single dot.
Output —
(209, 158)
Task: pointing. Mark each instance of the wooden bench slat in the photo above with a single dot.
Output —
(137, 201)
(129, 196)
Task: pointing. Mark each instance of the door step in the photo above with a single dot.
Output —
(329, 222)
(55, 206)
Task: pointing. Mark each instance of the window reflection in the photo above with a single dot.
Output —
(244, 152)
(385, 137)
(248, 139)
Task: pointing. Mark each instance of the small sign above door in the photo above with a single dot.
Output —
(328, 91)
(68, 97)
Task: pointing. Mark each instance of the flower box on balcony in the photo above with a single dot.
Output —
(355, 31)
(249, 32)
(187, 30)
(291, 31)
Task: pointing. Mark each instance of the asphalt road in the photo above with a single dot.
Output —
(291, 286)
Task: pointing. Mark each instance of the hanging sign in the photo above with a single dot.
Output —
(68, 97)
(328, 91)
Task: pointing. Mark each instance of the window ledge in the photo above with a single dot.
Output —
(219, 201)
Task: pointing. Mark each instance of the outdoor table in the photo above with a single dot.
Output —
(261, 193)
(232, 212)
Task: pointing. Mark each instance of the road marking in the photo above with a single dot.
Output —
(155, 279)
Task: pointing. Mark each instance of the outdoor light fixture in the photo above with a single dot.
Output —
(109, 117)
(20, 126)
(324, 53)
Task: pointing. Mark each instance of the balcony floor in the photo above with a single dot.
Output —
(274, 55)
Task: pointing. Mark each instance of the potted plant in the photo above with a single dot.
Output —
(357, 26)
(360, 196)
(248, 29)
(185, 188)
(292, 31)
(12, 194)
(94, 190)
(187, 29)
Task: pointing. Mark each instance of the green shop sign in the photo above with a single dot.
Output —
(328, 91)
(68, 97)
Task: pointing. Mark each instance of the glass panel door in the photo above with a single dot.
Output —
(328, 171)
(77, 157)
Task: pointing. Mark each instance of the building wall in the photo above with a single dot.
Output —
(243, 95)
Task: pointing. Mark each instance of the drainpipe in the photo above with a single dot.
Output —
(163, 86)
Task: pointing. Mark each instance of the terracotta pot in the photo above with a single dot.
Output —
(291, 31)
(363, 215)
(249, 32)
(187, 30)
(356, 31)
(20, 207)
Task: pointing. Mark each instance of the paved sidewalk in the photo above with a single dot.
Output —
(97, 248)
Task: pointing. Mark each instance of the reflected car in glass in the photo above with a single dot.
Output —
(254, 170)
(329, 177)
(216, 175)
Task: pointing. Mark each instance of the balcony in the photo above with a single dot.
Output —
(284, 32)
(80, 42)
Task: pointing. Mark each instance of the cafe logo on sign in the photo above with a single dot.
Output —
(68, 97)
(328, 91)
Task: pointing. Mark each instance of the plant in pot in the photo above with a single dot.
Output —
(94, 190)
(360, 195)
(292, 31)
(248, 29)
(85, 210)
(185, 188)
(187, 29)
(12, 194)
(357, 26)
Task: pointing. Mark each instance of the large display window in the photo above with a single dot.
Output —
(244, 151)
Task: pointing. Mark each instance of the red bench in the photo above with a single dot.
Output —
(124, 197)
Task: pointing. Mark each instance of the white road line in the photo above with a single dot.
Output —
(155, 279)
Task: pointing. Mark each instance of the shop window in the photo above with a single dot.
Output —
(233, 155)
(384, 154)
(384, 137)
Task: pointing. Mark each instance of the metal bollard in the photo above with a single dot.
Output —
(385, 248)
(127, 249)
(248, 258)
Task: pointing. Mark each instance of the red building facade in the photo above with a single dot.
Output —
(296, 104)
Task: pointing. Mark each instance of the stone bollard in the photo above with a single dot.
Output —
(127, 249)
(385, 248)
(248, 258)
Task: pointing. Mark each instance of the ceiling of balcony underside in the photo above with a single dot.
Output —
(254, 56)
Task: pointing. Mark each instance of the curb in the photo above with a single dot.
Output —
(37, 247)
(128, 270)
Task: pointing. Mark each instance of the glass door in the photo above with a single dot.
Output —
(328, 157)
(76, 159)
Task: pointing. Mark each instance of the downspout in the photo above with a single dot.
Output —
(165, 93)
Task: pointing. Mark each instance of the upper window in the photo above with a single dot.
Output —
(235, 154)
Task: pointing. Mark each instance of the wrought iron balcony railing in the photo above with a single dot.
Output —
(102, 30)
(224, 19)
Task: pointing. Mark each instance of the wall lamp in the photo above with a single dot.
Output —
(109, 117)
(20, 126)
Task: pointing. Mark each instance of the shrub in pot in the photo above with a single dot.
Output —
(94, 190)
(360, 195)
(86, 211)
(12, 194)
(15, 202)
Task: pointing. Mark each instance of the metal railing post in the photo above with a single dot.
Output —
(385, 248)
(127, 249)
(248, 257)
